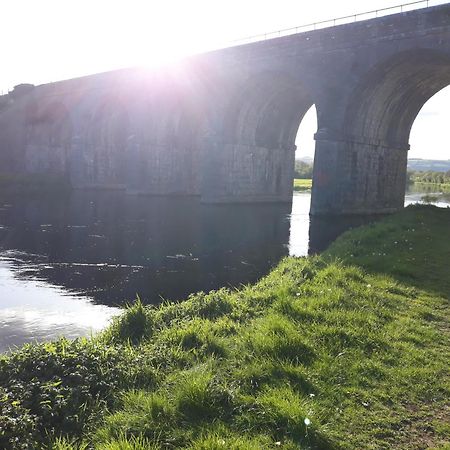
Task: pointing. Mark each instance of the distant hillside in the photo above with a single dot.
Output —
(424, 165)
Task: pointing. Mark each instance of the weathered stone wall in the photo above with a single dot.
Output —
(252, 174)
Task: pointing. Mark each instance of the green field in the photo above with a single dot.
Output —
(302, 185)
(348, 350)
(433, 186)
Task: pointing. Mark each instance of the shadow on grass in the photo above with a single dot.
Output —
(412, 246)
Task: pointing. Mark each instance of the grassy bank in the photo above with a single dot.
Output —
(302, 185)
(348, 350)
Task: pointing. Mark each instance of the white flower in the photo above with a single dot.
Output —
(307, 421)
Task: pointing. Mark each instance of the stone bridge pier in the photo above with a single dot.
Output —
(222, 125)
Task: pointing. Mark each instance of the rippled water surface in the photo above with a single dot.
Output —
(67, 262)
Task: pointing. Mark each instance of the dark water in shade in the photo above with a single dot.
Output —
(67, 262)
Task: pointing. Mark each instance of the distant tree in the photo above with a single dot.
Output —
(303, 170)
(429, 177)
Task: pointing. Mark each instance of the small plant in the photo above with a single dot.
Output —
(134, 325)
(143, 415)
(198, 396)
(278, 337)
(67, 444)
(134, 443)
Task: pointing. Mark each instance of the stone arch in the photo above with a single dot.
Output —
(255, 162)
(267, 111)
(107, 137)
(386, 102)
(48, 138)
(377, 124)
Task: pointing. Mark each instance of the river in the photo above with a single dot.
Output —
(68, 261)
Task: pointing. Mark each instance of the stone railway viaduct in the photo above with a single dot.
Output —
(222, 125)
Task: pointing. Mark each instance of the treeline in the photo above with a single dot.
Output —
(429, 177)
(303, 170)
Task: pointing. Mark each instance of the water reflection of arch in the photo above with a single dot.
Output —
(49, 132)
(106, 144)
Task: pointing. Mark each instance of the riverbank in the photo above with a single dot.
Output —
(347, 350)
(434, 193)
(432, 186)
(302, 185)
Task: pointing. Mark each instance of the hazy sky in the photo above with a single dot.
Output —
(49, 40)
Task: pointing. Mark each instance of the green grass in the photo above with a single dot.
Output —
(302, 185)
(440, 186)
(348, 350)
(412, 247)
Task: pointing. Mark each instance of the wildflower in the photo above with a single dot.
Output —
(307, 421)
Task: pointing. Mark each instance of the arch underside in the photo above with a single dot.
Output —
(384, 107)
(267, 113)
(259, 133)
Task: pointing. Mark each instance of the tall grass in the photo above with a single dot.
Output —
(134, 325)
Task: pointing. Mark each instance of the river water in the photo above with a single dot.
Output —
(67, 262)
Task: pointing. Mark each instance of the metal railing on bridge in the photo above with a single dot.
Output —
(338, 21)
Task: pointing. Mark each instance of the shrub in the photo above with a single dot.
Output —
(56, 388)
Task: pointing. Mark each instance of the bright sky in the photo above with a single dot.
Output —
(49, 40)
